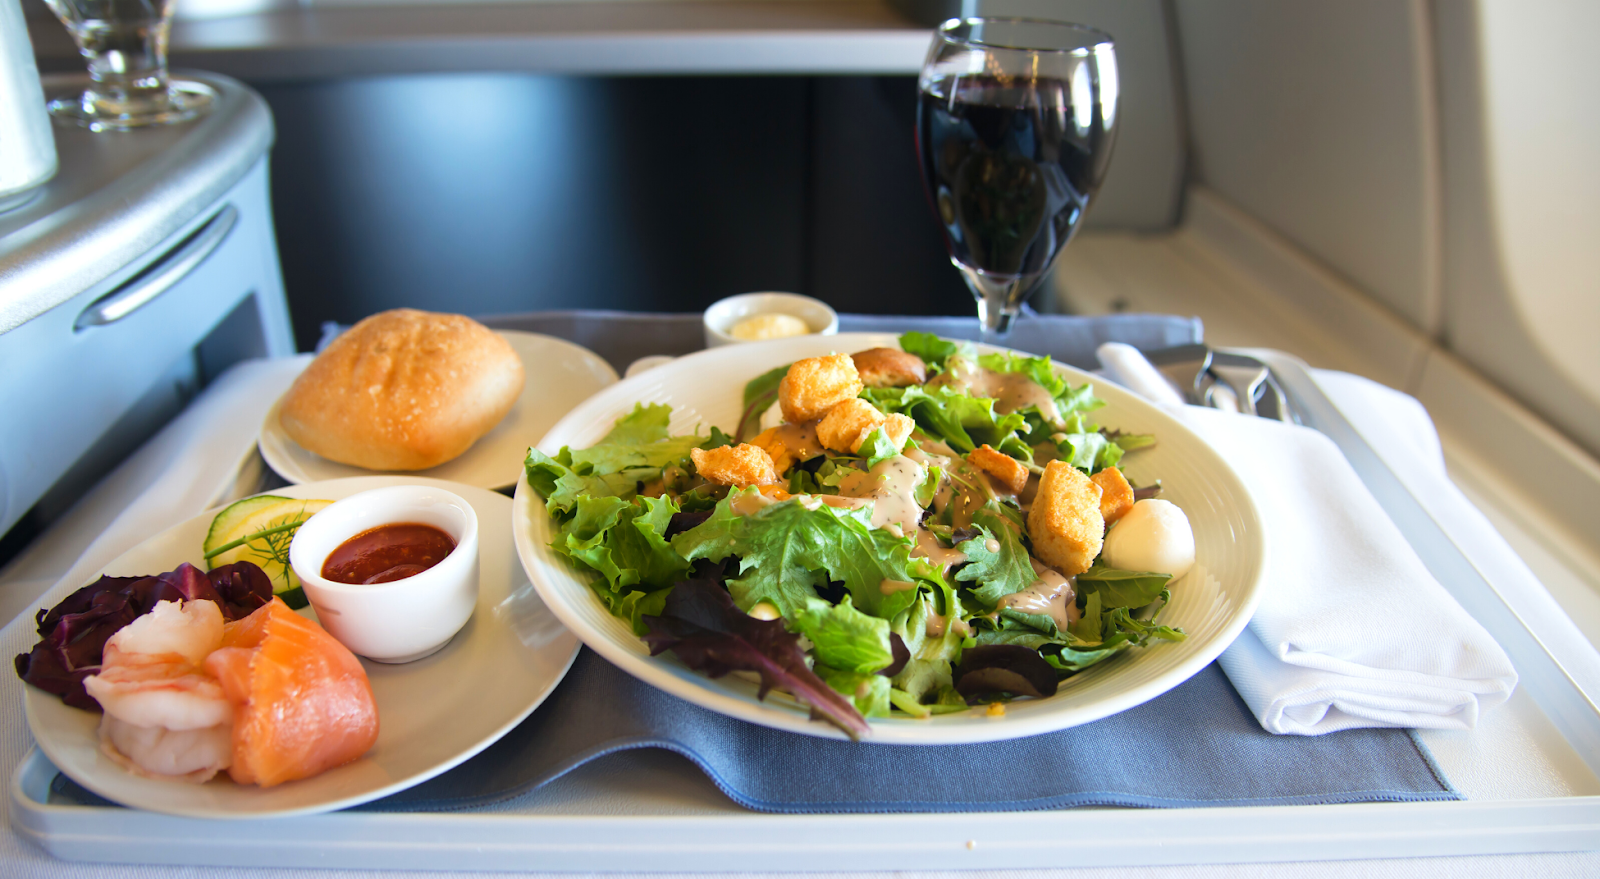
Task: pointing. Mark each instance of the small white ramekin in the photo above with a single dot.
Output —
(723, 314)
(401, 620)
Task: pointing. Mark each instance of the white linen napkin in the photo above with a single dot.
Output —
(1352, 630)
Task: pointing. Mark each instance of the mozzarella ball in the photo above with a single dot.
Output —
(1154, 536)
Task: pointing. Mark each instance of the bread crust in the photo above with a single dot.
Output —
(1065, 523)
(847, 423)
(740, 465)
(1116, 495)
(889, 368)
(403, 390)
(1010, 472)
(897, 428)
(812, 386)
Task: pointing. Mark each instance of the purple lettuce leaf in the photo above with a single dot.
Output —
(74, 632)
(707, 631)
(992, 670)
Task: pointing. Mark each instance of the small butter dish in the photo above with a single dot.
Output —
(403, 619)
(751, 317)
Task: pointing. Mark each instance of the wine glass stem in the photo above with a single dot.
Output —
(996, 315)
(999, 298)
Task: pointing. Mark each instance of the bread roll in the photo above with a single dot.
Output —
(403, 390)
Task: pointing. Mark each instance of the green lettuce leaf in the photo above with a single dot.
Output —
(759, 395)
(1037, 368)
(963, 422)
(639, 440)
(1090, 452)
(928, 488)
(927, 674)
(998, 573)
(1068, 399)
(845, 638)
(877, 447)
(1130, 441)
(787, 549)
(635, 450)
(623, 540)
(933, 350)
(869, 693)
(1118, 588)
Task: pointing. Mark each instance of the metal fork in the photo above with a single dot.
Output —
(1197, 371)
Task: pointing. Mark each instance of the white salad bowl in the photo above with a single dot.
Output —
(1211, 603)
(402, 620)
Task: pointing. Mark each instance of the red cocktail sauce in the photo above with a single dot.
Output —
(387, 553)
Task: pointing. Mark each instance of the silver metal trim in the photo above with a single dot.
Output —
(173, 267)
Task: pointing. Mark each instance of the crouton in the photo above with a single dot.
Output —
(1065, 522)
(1008, 470)
(889, 368)
(843, 428)
(1116, 495)
(741, 465)
(898, 429)
(814, 385)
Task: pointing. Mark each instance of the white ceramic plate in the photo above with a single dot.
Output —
(432, 714)
(560, 375)
(1212, 603)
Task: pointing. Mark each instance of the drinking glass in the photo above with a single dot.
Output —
(1015, 123)
(125, 45)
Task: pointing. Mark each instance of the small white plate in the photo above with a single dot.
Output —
(432, 714)
(1212, 603)
(560, 375)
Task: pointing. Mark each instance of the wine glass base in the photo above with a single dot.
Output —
(183, 101)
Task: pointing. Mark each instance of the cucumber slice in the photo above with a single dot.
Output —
(227, 520)
(244, 523)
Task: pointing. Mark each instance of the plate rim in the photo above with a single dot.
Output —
(44, 743)
(298, 476)
(690, 685)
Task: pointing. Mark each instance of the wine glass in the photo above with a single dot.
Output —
(1015, 123)
(124, 43)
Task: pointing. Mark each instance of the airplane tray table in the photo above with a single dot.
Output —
(1528, 772)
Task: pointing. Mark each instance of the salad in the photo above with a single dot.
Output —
(897, 532)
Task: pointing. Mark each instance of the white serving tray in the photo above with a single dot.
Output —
(1531, 772)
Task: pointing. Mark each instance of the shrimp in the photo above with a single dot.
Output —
(164, 714)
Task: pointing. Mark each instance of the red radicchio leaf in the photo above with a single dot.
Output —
(74, 632)
(901, 655)
(701, 624)
(994, 669)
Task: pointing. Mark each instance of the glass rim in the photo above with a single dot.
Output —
(945, 33)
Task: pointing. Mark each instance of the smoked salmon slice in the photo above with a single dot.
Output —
(303, 702)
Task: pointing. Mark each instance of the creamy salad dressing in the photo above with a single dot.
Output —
(1051, 596)
(963, 487)
(891, 486)
(890, 587)
(800, 439)
(1011, 391)
(966, 496)
(939, 623)
(928, 547)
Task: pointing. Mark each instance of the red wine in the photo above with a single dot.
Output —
(1010, 168)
